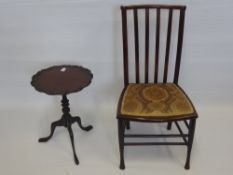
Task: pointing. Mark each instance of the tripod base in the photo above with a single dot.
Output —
(66, 121)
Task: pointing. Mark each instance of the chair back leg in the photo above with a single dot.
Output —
(169, 125)
(127, 124)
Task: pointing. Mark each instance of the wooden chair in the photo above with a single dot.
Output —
(145, 101)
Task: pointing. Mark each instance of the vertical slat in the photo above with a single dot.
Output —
(157, 46)
(146, 44)
(179, 45)
(125, 45)
(167, 46)
(136, 45)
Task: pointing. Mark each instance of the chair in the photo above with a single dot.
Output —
(154, 101)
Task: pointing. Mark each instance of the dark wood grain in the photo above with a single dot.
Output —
(161, 6)
(179, 45)
(125, 45)
(136, 46)
(147, 24)
(61, 79)
(124, 119)
(157, 46)
(169, 28)
(146, 37)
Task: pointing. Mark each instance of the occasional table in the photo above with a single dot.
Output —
(63, 80)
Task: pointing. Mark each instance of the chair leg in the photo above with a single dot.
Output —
(190, 142)
(169, 125)
(121, 130)
(127, 124)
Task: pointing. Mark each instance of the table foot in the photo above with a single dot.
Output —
(72, 143)
(53, 126)
(78, 120)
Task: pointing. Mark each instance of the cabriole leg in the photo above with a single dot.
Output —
(72, 143)
(53, 126)
(78, 120)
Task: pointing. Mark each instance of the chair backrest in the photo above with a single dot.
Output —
(141, 39)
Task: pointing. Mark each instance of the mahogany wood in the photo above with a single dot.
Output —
(62, 80)
(157, 46)
(136, 45)
(147, 25)
(124, 120)
(169, 28)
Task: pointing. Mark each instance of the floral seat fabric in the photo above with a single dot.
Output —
(162, 100)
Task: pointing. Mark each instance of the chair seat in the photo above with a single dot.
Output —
(160, 101)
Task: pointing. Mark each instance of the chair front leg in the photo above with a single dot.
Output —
(121, 130)
(192, 125)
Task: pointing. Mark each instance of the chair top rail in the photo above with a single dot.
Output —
(162, 6)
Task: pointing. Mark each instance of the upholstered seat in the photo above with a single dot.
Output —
(159, 101)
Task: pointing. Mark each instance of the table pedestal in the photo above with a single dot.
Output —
(67, 120)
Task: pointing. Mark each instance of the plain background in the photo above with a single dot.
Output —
(36, 34)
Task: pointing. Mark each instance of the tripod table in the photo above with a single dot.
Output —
(63, 80)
